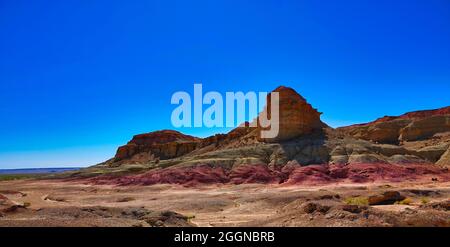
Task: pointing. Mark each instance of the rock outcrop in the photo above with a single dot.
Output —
(445, 159)
(306, 150)
(411, 126)
(296, 116)
(165, 144)
(386, 198)
(169, 144)
(382, 131)
(9, 206)
(425, 128)
(426, 113)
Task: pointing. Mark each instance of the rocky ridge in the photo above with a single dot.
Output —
(388, 148)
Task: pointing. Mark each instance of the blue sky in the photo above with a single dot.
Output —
(79, 78)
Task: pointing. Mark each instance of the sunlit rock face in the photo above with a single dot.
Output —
(296, 116)
(165, 144)
(416, 138)
(425, 128)
(412, 126)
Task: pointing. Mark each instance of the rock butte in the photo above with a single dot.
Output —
(297, 117)
(391, 148)
(165, 144)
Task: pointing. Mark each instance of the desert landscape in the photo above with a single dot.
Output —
(55, 203)
(390, 172)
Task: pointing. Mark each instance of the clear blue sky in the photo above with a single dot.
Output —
(79, 78)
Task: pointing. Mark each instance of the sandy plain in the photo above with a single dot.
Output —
(75, 203)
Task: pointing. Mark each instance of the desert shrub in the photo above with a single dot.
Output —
(10, 177)
(190, 217)
(359, 201)
(406, 201)
(424, 200)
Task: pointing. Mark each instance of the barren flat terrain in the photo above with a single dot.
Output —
(61, 203)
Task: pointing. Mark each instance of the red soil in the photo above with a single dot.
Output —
(289, 175)
(362, 173)
(426, 113)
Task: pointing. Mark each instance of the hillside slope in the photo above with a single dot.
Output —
(306, 150)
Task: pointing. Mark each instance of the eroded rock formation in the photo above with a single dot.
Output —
(165, 144)
(296, 116)
(411, 126)
(445, 159)
(306, 149)
(425, 128)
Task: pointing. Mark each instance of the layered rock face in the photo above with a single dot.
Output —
(165, 144)
(425, 128)
(412, 126)
(426, 113)
(296, 116)
(170, 144)
(445, 159)
(420, 138)
(381, 131)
